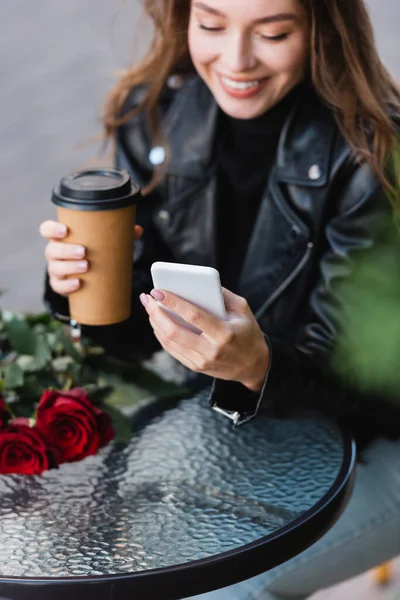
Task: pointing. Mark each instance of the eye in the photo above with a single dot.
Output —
(274, 38)
(205, 28)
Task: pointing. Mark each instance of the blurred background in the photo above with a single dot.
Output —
(58, 60)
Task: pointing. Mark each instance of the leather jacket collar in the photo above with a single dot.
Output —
(305, 147)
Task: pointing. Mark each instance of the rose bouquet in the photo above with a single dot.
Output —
(67, 427)
(62, 400)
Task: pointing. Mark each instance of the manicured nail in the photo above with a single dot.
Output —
(157, 295)
(61, 230)
(78, 252)
(144, 299)
(82, 266)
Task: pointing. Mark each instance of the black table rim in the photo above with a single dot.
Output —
(204, 575)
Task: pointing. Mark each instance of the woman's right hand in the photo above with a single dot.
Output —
(65, 262)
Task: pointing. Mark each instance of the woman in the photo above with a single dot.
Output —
(262, 134)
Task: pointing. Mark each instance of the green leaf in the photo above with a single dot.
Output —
(22, 408)
(39, 319)
(43, 350)
(22, 338)
(158, 386)
(36, 383)
(14, 377)
(121, 423)
(97, 394)
(68, 345)
(74, 370)
(125, 395)
(27, 363)
(146, 383)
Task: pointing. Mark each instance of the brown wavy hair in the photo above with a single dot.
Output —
(345, 69)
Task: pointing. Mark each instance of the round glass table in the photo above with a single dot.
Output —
(189, 505)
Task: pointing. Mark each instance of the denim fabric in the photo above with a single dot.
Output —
(367, 534)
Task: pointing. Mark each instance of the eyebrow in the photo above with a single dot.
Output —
(271, 19)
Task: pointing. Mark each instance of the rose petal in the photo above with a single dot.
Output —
(23, 450)
(72, 423)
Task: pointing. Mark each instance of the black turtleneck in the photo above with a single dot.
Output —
(246, 152)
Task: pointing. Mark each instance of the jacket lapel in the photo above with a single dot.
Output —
(280, 236)
(189, 128)
(190, 172)
(281, 239)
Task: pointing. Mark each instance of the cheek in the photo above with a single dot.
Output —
(288, 59)
(200, 52)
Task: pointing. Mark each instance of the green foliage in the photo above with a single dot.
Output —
(36, 354)
(368, 352)
(22, 337)
(122, 426)
(14, 377)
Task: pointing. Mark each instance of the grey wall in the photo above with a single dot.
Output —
(57, 60)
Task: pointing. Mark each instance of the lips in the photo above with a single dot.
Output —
(241, 88)
(240, 85)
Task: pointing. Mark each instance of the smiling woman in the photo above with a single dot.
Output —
(264, 136)
(253, 52)
(342, 63)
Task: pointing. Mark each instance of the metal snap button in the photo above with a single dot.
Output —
(157, 155)
(175, 82)
(315, 172)
(164, 216)
(296, 231)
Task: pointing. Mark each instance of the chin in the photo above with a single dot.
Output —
(239, 110)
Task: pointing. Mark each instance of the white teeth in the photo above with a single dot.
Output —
(240, 85)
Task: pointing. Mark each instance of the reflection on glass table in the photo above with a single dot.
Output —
(189, 505)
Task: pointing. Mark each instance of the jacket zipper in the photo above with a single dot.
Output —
(280, 289)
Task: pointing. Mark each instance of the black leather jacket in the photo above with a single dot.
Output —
(318, 210)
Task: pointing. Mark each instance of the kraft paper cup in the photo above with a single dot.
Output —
(99, 209)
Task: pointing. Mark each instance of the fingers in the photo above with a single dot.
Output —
(184, 357)
(188, 311)
(172, 331)
(64, 268)
(64, 287)
(234, 303)
(64, 251)
(138, 232)
(53, 230)
(61, 275)
(64, 260)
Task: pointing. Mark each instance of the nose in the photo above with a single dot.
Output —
(238, 55)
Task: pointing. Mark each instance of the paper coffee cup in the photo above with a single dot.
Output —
(99, 208)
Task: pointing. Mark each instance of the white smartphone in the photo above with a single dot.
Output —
(199, 285)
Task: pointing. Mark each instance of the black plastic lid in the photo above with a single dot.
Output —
(96, 189)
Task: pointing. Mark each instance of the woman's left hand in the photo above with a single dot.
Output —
(234, 350)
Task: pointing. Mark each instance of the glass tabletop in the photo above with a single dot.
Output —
(187, 487)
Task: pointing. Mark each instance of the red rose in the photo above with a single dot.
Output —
(23, 450)
(73, 424)
(4, 414)
(20, 421)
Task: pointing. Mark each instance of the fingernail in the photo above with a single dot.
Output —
(73, 283)
(157, 295)
(61, 230)
(144, 299)
(82, 266)
(78, 252)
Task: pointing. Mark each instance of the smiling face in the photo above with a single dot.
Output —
(250, 53)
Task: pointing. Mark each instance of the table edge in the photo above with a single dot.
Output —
(215, 572)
